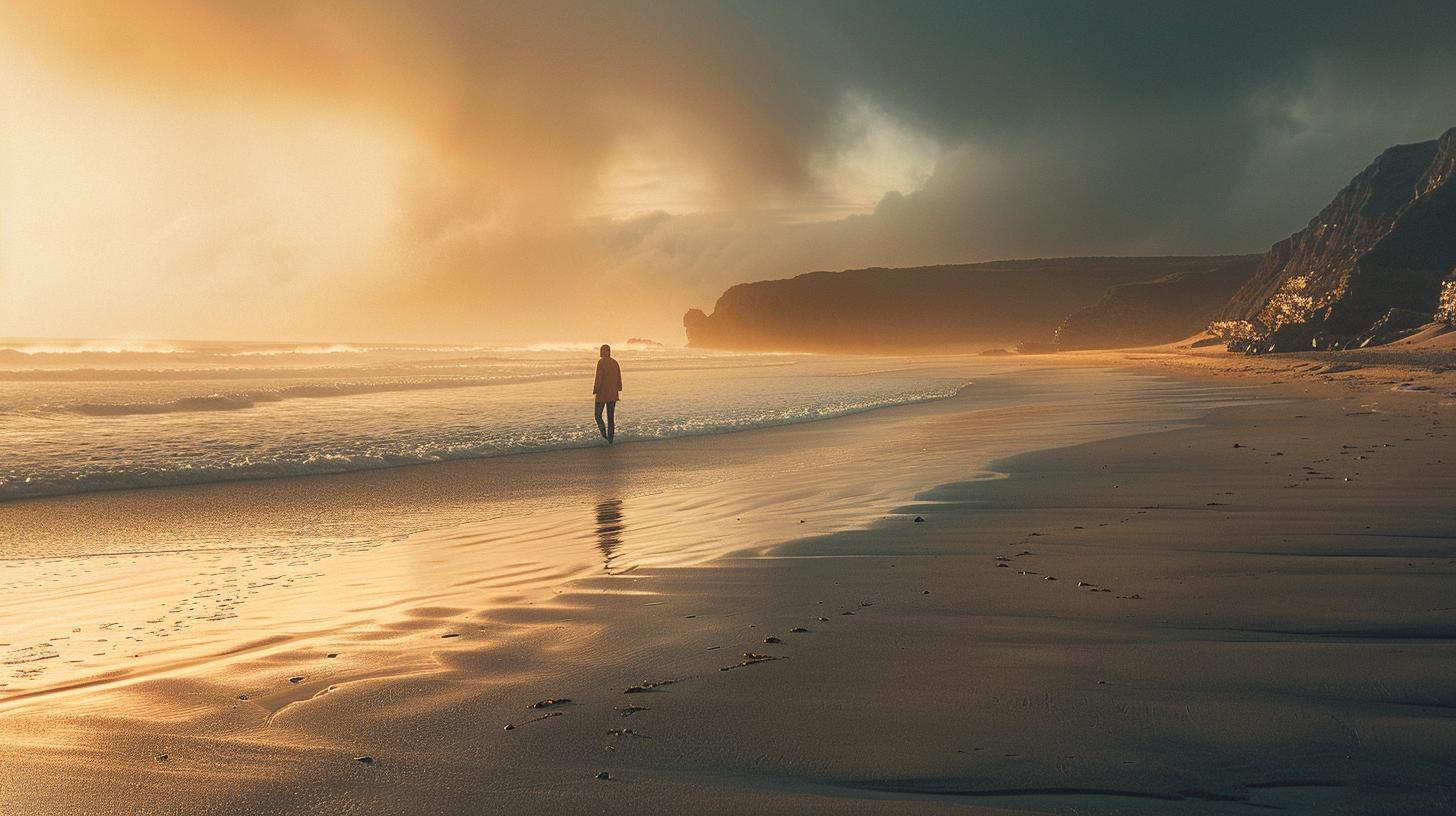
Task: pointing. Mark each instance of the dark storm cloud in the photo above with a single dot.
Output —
(1128, 126)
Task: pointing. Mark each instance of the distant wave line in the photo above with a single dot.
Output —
(163, 348)
(397, 370)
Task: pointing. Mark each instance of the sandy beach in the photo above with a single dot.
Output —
(1181, 589)
(460, 408)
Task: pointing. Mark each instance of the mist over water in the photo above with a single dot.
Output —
(88, 415)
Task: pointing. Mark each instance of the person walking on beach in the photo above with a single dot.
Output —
(606, 389)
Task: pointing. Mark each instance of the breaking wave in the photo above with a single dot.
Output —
(239, 400)
(344, 456)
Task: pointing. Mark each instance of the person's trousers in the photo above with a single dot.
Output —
(609, 428)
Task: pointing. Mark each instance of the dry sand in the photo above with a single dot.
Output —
(1250, 610)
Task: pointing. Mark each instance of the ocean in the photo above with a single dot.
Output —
(87, 415)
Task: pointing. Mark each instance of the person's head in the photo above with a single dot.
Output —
(606, 350)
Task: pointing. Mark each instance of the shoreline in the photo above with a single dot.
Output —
(59, 524)
(597, 629)
(534, 534)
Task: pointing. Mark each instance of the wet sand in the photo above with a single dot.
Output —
(1107, 608)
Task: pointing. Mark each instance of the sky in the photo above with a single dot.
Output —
(516, 172)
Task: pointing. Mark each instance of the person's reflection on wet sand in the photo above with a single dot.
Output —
(609, 530)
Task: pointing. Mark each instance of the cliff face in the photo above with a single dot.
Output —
(964, 307)
(1370, 266)
(1156, 311)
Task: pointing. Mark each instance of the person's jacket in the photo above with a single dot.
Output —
(609, 380)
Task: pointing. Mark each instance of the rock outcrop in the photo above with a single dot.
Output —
(937, 308)
(1156, 311)
(1373, 265)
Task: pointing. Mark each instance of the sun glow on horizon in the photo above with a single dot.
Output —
(136, 208)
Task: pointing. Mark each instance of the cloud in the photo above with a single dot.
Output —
(512, 172)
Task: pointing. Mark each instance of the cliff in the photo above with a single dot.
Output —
(1156, 311)
(960, 307)
(1373, 265)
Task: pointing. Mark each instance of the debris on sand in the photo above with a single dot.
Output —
(547, 716)
(750, 659)
(364, 759)
(629, 710)
(554, 701)
(798, 630)
(604, 775)
(919, 519)
(648, 685)
(772, 639)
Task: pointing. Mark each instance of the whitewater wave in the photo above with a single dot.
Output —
(42, 347)
(240, 400)
(350, 348)
(92, 477)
